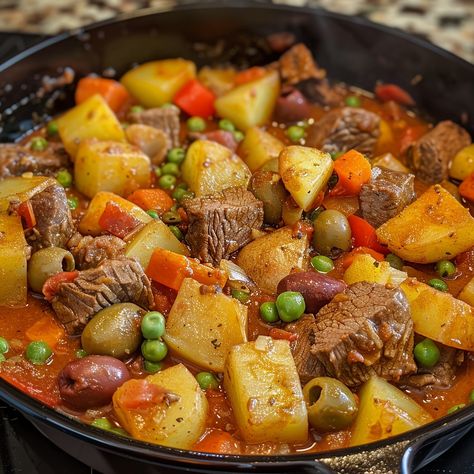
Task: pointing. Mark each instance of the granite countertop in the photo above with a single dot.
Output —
(448, 23)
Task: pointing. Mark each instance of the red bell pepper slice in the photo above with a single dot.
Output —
(363, 235)
(25, 211)
(386, 92)
(117, 221)
(112, 91)
(51, 285)
(195, 99)
(277, 333)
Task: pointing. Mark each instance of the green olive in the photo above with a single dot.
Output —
(270, 165)
(48, 262)
(332, 233)
(114, 331)
(331, 405)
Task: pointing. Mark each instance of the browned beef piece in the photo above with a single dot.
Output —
(307, 364)
(54, 224)
(343, 129)
(16, 160)
(387, 194)
(431, 155)
(120, 280)
(322, 92)
(163, 118)
(298, 64)
(89, 251)
(364, 331)
(442, 374)
(222, 223)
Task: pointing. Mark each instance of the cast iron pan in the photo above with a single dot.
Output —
(352, 50)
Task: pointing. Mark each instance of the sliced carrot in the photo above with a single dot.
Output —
(47, 330)
(51, 285)
(349, 257)
(117, 221)
(353, 171)
(277, 333)
(156, 199)
(112, 91)
(363, 234)
(386, 92)
(25, 211)
(466, 188)
(218, 441)
(249, 75)
(139, 394)
(170, 269)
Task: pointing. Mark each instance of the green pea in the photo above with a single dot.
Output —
(39, 144)
(153, 213)
(64, 178)
(426, 353)
(269, 312)
(171, 217)
(152, 367)
(445, 268)
(352, 101)
(207, 380)
(153, 325)
(196, 124)
(471, 396)
(52, 128)
(158, 172)
(176, 155)
(238, 136)
(290, 306)
(38, 352)
(395, 261)
(179, 193)
(295, 133)
(154, 350)
(226, 125)
(4, 346)
(240, 295)
(73, 202)
(136, 109)
(170, 168)
(2, 358)
(102, 423)
(455, 408)
(80, 353)
(322, 264)
(167, 181)
(438, 284)
(182, 186)
(336, 154)
(176, 232)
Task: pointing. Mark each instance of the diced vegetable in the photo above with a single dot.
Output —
(210, 168)
(155, 83)
(349, 257)
(432, 228)
(21, 188)
(386, 92)
(89, 224)
(117, 221)
(220, 442)
(353, 171)
(154, 234)
(467, 293)
(119, 168)
(219, 81)
(13, 252)
(252, 103)
(385, 411)
(195, 99)
(156, 199)
(170, 269)
(93, 118)
(439, 315)
(347, 205)
(249, 75)
(172, 412)
(463, 163)
(270, 258)
(364, 234)
(388, 161)
(386, 138)
(112, 91)
(366, 268)
(305, 172)
(45, 329)
(466, 188)
(263, 386)
(202, 328)
(152, 141)
(258, 147)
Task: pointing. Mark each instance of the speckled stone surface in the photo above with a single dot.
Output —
(448, 23)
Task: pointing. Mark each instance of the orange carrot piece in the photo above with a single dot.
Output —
(249, 75)
(51, 285)
(112, 91)
(218, 441)
(466, 188)
(47, 330)
(154, 198)
(139, 394)
(353, 171)
(170, 269)
(349, 258)
(277, 333)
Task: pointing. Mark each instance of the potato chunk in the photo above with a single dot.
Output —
(467, 293)
(202, 328)
(385, 411)
(364, 267)
(264, 389)
(270, 258)
(258, 147)
(110, 166)
(21, 188)
(440, 316)
(176, 421)
(92, 118)
(210, 168)
(305, 172)
(434, 227)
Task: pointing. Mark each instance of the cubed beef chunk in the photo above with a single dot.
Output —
(343, 129)
(222, 223)
(119, 280)
(54, 224)
(298, 64)
(387, 194)
(163, 118)
(322, 92)
(89, 251)
(430, 156)
(16, 160)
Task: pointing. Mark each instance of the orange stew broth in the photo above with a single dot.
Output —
(41, 381)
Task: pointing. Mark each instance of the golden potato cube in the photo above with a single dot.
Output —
(364, 267)
(389, 162)
(119, 168)
(202, 328)
(258, 147)
(21, 188)
(264, 390)
(434, 227)
(155, 83)
(176, 422)
(210, 168)
(92, 118)
(305, 172)
(467, 293)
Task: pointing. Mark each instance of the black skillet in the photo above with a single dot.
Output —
(353, 50)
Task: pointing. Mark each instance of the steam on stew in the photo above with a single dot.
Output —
(253, 261)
